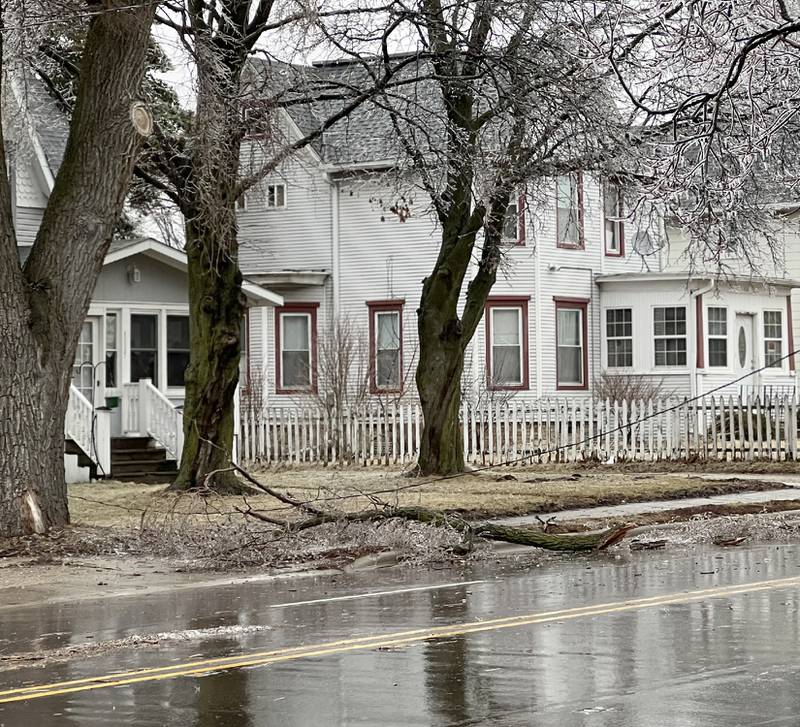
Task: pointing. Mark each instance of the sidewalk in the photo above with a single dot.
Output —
(637, 508)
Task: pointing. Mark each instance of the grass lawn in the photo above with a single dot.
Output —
(106, 504)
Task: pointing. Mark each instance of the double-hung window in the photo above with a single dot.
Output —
(571, 358)
(569, 210)
(296, 355)
(773, 338)
(276, 195)
(112, 348)
(514, 221)
(718, 337)
(144, 347)
(507, 343)
(619, 338)
(669, 335)
(386, 346)
(177, 350)
(614, 215)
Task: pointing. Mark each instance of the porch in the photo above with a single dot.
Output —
(148, 447)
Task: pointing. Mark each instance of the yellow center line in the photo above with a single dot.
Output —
(262, 658)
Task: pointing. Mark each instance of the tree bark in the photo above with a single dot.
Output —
(215, 282)
(43, 306)
(216, 313)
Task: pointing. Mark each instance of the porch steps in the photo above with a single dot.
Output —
(140, 459)
(71, 447)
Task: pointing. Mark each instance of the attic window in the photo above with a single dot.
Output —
(276, 196)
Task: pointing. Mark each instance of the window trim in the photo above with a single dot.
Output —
(167, 315)
(383, 306)
(654, 337)
(607, 338)
(507, 301)
(519, 241)
(780, 366)
(581, 244)
(285, 196)
(709, 336)
(309, 309)
(158, 314)
(581, 304)
(620, 222)
(117, 314)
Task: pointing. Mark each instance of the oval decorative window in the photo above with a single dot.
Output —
(742, 347)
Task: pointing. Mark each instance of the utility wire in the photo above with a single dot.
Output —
(552, 450)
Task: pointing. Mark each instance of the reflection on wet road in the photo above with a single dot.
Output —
(685, 638)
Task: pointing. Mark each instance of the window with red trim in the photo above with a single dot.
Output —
(569, 210)
(514, 221)
(386, 346)
(507, 343)
(614, 220)
(572, 363)
(296, 348)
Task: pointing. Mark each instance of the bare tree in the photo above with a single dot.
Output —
(44, 302)
(501, 95)
(714, 90)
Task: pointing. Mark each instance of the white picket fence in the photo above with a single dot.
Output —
(550, 430)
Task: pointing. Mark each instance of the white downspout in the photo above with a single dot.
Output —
(335, 262)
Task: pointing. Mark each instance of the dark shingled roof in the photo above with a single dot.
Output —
(49, 121)
(366, 134)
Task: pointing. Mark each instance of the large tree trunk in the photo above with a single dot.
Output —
(42, 307)
(216, 303)
(441, 361)
(215, 282)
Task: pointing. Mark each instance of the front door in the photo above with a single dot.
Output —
(745, 356)
(85, 360)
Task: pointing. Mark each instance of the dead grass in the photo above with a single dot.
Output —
(487, 494)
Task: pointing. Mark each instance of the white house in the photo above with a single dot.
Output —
(582, 292)
(124, 417)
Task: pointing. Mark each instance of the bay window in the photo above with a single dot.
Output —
(669, 335)
(773, 338)
(619, 338)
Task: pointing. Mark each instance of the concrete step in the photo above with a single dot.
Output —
(149, 454)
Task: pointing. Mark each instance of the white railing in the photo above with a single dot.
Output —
(130, 408)
(90, 429)
(550, 430)
(158, 418)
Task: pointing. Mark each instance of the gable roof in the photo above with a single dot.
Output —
(366, 136)
(123, 249)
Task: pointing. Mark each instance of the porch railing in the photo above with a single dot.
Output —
(90, 429)
(147, 412)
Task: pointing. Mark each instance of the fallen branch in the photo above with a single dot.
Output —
(505, 533)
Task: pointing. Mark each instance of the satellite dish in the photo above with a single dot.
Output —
(141, 118)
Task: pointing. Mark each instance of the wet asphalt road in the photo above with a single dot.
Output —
(713, 661)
